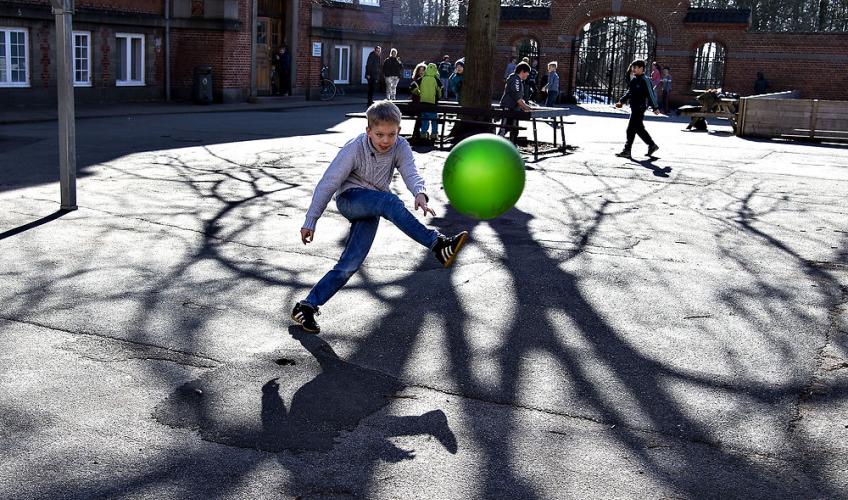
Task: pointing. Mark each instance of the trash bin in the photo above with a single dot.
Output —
(202, 87)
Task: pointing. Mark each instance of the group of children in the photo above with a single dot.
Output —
(429, 84)
(661, 80)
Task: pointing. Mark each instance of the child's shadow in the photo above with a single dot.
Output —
(327, 395)
(649, 164)
(337, 398)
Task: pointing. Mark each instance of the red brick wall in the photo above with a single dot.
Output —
(141, 6)
(236, 52)
(811, 62)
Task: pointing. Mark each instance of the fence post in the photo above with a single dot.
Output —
(813, 113)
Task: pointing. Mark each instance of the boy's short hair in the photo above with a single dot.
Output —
(522, 67)
(383, 112)
(553, 63)
(393, 52)
(639, 63)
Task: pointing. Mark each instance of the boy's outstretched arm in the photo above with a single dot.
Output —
(336, 173)
(413, 181)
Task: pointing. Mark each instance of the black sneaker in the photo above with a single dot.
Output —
(305, 315)
(447, 248)
(652, 149)
(625, 153)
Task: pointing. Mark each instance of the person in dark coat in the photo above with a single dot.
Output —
(372, 72)
(282, 64)
(761, 85)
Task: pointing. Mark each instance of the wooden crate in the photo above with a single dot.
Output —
(813, 119)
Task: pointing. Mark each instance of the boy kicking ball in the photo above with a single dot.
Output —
(360, 175)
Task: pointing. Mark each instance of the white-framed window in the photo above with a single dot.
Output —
(82, 59)
(341, 64)
(14, 57)
(129, 59)
(373, 3)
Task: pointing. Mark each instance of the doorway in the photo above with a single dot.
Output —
(271, 34)
(603, 53)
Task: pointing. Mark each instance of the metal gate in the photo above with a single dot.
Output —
(604, 51)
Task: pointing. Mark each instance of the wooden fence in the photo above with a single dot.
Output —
(784, 115)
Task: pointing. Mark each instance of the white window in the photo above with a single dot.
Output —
(375, 3)
(82, 59)
(341, 64)
(129, 60)
(14, 58)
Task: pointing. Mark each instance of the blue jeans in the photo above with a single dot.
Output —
(550, 101)
(363, 208)
(431, 119)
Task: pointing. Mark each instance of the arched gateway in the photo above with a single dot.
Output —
(603, 52)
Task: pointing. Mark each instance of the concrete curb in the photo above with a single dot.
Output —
(157, 108)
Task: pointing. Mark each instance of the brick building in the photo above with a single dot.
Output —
(122, 47)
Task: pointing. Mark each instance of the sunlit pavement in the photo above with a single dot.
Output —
(670, 327)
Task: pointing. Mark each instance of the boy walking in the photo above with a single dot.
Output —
(641, 96)
(360, 175)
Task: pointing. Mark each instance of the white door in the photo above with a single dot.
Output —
(365, 52)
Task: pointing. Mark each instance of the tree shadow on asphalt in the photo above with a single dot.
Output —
(106, 139)
(541, 286)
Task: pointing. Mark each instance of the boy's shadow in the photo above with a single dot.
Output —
(649, 164)
(327, 396)
(336, 400)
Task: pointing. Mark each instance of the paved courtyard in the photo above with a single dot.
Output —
(650, 328)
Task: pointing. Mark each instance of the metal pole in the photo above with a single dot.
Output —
(63, 11)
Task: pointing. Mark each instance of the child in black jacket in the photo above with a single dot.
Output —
(641, 96)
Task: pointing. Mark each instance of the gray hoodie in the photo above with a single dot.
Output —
(359, 164)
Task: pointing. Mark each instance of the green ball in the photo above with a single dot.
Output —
(483, 176)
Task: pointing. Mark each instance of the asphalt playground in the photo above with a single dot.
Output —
(673, 327)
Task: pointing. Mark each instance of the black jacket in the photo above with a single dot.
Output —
(372, 66)
(392, 67)
(640, 93)
(513, 92)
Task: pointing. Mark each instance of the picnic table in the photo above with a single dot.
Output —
(452, 112)
(710, 105)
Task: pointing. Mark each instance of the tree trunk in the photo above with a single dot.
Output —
(480, 40)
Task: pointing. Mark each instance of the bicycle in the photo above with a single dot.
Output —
(328, 88)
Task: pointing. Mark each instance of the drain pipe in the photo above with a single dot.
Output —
(252, 97)
(167, 50)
